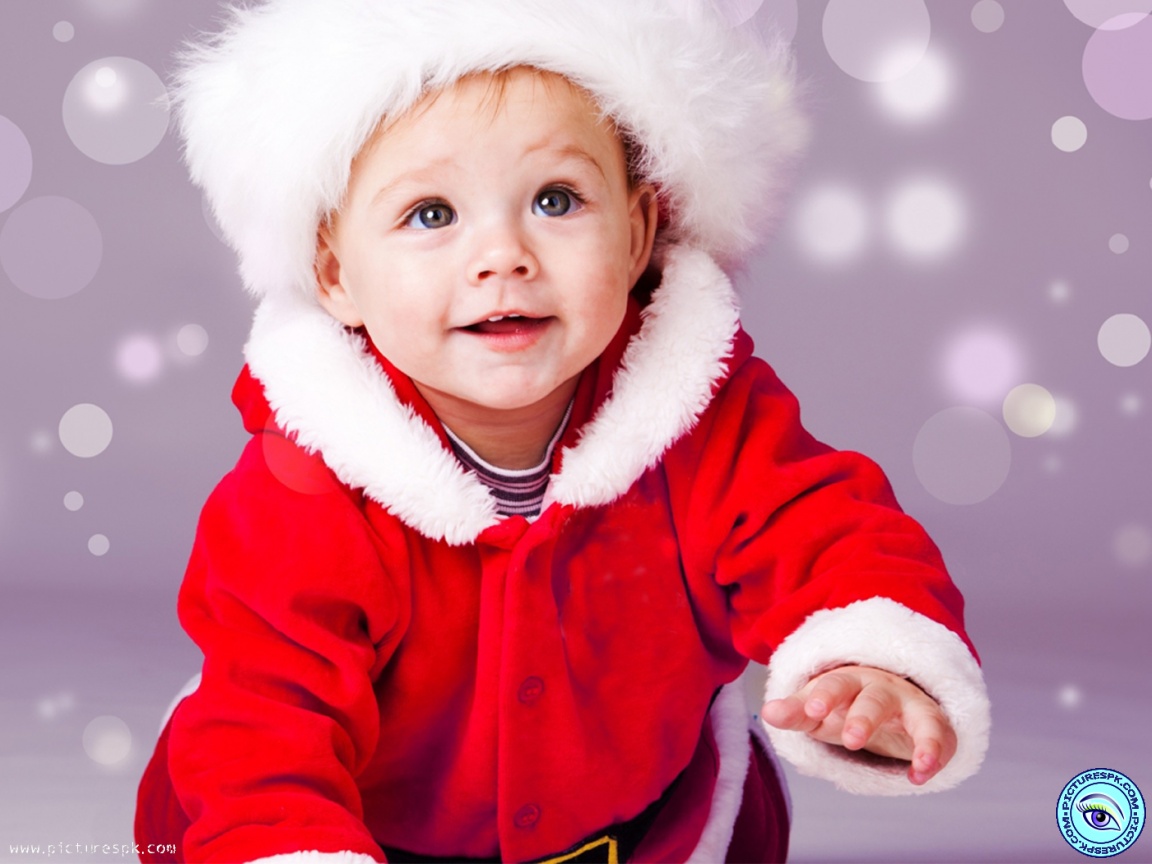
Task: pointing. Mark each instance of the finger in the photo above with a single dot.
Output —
(829, 692)
(933, 740)
(786, 713)
(874, 706)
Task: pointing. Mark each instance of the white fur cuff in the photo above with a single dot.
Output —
(314, 857)
(882, 633)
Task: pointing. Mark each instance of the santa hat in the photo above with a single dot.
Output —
(274, 107)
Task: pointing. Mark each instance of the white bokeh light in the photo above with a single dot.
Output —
(73, 501)
(40, 442)
(1067, 418)
(116, 110)
(1124, 339)
(1118, 243)
(192, 340)
(85, 430)
(962, 456)
(832, 224)
(98, 545)
(1069, 134)
(107, 740)
(879, 40)
(922, 93)
(51, 247)
(925, 219)
(1059, 291)
(51, 707)
(1109, 13)
(1131, 404)
(987, 16)
(1029, 410)
(1132, 545)
(982, 364)
(63, 31)
(139, 358)
(1070, 696)
(15, 163)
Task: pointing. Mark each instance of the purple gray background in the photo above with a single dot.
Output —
(932, 257)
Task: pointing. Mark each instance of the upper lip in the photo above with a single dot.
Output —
(496, 316)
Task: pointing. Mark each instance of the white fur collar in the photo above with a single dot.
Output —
(327, 391)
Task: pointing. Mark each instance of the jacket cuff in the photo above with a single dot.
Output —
(318, 858)
(882, 633)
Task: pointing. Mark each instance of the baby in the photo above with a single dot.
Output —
(519, 504)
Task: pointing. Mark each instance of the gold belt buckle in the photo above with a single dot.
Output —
(602, 850)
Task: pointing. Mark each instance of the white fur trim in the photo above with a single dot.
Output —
(882, 633)
(730, 720)
(329, 393)
(273, 108)
(663, 384)
(314, 857)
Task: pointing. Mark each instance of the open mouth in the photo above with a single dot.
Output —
(500, 325)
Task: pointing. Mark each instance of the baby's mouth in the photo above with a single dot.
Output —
(506, 324)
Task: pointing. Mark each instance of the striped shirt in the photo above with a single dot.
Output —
(518, 492)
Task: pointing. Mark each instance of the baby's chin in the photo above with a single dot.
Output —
(496, 400)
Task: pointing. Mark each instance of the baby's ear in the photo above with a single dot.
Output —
(330, 289)
(643, 215)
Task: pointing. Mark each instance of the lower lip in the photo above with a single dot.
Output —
(516, 338)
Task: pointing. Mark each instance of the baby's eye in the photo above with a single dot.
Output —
(555, 202)
(431, 215)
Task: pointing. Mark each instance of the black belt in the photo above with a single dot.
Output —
(614, 845)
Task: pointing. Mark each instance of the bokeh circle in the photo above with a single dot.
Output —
(962, 456)
(1117, 69)
(15, 163)
(987, 16)
(51, 247)
(879, 40)
(107, 740)
(1101, 13)
(1069, 134)
(1124, 339)
(85, 430)
(116, 110)
(1029, 410)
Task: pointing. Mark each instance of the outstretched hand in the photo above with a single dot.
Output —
(865, 708)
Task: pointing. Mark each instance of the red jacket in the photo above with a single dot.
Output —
(389, 662)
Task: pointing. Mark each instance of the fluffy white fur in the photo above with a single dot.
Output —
(314, 857)
(730, 722)
(662, 386)
(880, 632)
(330, 394)
(273, 108)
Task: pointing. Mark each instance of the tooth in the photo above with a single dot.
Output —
(496, 318)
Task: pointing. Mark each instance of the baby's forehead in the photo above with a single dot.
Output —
(553, 118)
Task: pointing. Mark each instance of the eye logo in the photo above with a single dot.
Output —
(1100, 813)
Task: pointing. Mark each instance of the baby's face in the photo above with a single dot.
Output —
(488, 244)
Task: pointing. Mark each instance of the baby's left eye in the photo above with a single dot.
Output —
(555, 202)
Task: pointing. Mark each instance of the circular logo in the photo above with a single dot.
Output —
(1100, 813)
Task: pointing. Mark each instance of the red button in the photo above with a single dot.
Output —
(526, 816)
(530, 690)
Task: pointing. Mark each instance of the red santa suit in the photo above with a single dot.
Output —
(390, 664)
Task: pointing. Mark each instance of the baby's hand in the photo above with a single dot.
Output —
(861, 707)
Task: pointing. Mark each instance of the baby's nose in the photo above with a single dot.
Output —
(502, 253)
